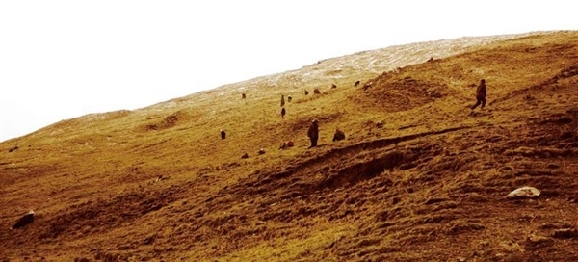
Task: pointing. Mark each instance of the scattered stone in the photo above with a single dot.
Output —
(338, 135)
(24, 220)
(12, 148)
(525, 192)
(553, 166)
(245, 156)
(286, 145)
(566, 233)
(261, 151)
(535, 241)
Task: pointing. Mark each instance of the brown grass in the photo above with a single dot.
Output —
(158, 183)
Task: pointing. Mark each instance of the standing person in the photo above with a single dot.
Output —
(480, 95)
(313, 132)
(223, 134)
(282, 100)
(283, 112)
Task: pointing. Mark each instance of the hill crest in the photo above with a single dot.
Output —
(429, 184)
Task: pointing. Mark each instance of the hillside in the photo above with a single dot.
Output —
(159, 183)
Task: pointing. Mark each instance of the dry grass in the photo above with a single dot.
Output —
(430, 184)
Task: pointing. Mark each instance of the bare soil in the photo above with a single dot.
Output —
(429, 184)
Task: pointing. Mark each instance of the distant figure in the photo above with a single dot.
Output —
(223, 134)
(480, 95)
(338, 136)
(316, 91)
(261, 151)
(24, 220)
(244, 95)
(282, 100)
(313, 132)
(430, 60)
(286, 145)
(306, 92)
(333, 86)
(245, 156)
(289, 98)
(283, 112)
(356, 83)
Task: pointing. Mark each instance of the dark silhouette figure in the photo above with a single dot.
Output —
(356, 83)
(313, 132)
(223, 134)
(289, 98)
(24, 220)
(283, 112)
(286, 145)
(480, 95)
(244, 95)
(245, 156)
(333, 86)
(306, 92)
(316, 91)
(282, 100)
(338, 136)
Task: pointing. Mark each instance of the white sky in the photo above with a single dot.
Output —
(65, 59)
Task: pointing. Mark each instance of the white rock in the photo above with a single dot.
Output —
(526, 191)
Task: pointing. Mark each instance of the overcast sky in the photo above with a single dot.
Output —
(66, 59)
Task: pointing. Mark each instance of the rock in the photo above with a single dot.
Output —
(24, 220)
(525, 192)
(566, 233)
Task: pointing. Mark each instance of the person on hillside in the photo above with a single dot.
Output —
(282, 100)
(223, 134)
(313, 132)
(283, 112)
(481, 95)
(338, 136)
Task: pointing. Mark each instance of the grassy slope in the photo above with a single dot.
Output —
(429, 185)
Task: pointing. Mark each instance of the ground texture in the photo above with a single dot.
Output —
(427, 184)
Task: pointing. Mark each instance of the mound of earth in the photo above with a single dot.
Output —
(419, 177)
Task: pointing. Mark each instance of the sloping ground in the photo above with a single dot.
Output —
(430, 185)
